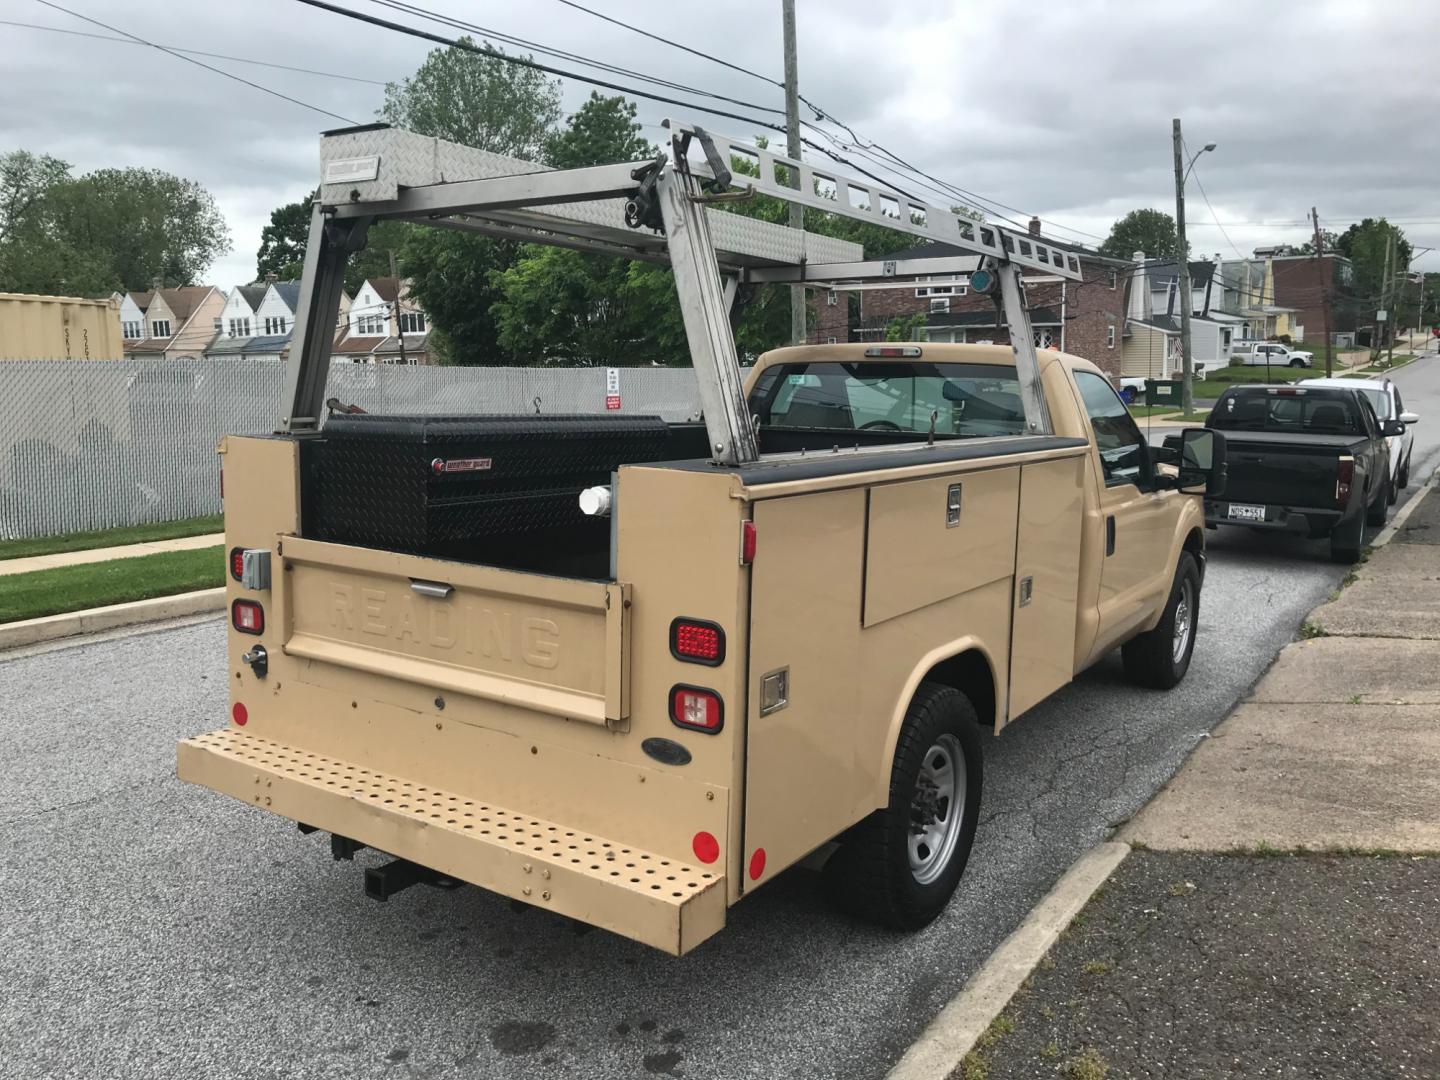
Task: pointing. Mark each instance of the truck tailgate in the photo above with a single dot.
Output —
(1283, 469)
(554, 645)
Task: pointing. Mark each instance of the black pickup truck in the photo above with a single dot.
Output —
(1303, 459)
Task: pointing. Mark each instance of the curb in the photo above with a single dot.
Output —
(32, 631)
(1385, 535)
(951, 1035)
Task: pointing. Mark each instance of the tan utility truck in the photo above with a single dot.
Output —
(630, 670)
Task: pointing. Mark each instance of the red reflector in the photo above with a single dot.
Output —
(757, 864)
(240, 713)
(747, 543)
(247, 616)
(237, 563)
(697, 641)
(696, 709)
(706, 847)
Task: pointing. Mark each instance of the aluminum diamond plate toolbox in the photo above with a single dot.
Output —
(375, 163)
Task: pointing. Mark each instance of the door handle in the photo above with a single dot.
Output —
(1110, 535)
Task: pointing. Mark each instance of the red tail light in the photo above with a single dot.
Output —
(237, 563)
(697, 709)
(1344, 477)
(247, 616)
(747, 543)
(697, 641)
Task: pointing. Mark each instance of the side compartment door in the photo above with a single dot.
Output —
(1138, 521)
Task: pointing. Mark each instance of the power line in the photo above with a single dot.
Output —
(193, 52)
(199, 63)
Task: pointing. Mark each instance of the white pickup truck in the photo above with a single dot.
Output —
(1271, 354)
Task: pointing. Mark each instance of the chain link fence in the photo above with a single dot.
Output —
(99, 444)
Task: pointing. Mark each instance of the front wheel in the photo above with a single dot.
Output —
(1160, 657)
(900, 866)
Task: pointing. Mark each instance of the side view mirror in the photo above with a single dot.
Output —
(1393, 427)
(1409, 418)
(1202, 462)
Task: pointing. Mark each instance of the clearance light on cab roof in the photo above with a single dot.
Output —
(697, 709)
(698, 641)
(893, 350)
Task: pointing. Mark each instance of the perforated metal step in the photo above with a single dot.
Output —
(660, 901)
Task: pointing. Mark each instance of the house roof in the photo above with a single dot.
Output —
(387, 288)
(347, 344)
(289, 293)
(253, 294)
(183, 301)
(142, 299)
(1163, 271)
(227, 346)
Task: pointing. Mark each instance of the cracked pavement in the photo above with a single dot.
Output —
(152, 929)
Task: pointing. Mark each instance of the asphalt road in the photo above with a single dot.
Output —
(150, 929)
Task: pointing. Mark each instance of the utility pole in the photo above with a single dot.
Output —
(399, 324)
(792, 149)
(1187, 401)
(1324, 295)
(1381, 326)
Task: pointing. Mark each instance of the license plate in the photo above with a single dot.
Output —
(1242, 512)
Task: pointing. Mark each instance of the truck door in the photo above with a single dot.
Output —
(1138, 521)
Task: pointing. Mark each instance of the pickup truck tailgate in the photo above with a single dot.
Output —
(1285, 469)
(553, 645)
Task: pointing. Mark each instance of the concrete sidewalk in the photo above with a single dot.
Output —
(94, 555)
(1277, 916)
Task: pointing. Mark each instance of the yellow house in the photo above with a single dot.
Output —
(34, 327)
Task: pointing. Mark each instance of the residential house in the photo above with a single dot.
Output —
(132, 314)
(384, 325)
(1212, 331)
(275, 314)
(238, 320)
(1299, 282)
(1085, 318)
(178, 323)
(1249, 292)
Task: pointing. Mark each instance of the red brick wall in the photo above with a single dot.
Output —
(1300, 283)
(1090, 306)
(829, 320)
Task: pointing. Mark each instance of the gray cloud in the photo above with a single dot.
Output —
(1060, 109)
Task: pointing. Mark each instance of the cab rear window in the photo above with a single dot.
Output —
(1315, 412)
(964, 400)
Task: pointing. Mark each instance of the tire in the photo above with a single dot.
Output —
(1405, 472)
(883, 873)
(1392, 493)
(1159, 658)
(1345, 542)
(1297, 363)
(1379, 510)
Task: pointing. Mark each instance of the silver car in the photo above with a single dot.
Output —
(1384, 396)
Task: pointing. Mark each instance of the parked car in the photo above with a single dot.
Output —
(1311, 460)
(1270, 354)
(1384, 397)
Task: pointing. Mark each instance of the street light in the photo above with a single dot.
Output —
(1187, 369)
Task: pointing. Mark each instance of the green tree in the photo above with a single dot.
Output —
(1150, 231)
(109, 229)
(602, 131)
(282, 242)
(1365, 245)
(480, 101)
(450, 274)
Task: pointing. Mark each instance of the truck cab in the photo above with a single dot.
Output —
(631, 670)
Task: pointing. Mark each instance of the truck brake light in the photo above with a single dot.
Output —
(697, 709)
(698, 641)
(1344, 477)
(247, 616)
(910, 351)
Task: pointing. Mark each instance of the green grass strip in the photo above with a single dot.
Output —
(130, 534)
(74, 588)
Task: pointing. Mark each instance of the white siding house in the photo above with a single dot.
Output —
(275, 314)
(132, 319)
(238, 319)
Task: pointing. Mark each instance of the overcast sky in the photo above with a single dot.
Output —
(1057, 109)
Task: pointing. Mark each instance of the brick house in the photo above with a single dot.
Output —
(1300, 283)
(1084, 317)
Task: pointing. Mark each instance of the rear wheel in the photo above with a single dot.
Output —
(901, 864)
(1160, 657)
(1405, 472)
(1379, 510)
(1345, 541)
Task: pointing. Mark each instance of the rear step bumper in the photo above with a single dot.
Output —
(670, 905)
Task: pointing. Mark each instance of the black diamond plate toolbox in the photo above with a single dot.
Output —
(434, 485)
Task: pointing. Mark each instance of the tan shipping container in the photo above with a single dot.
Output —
(58, 328)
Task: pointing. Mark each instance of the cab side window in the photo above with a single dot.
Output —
(1123, 454)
